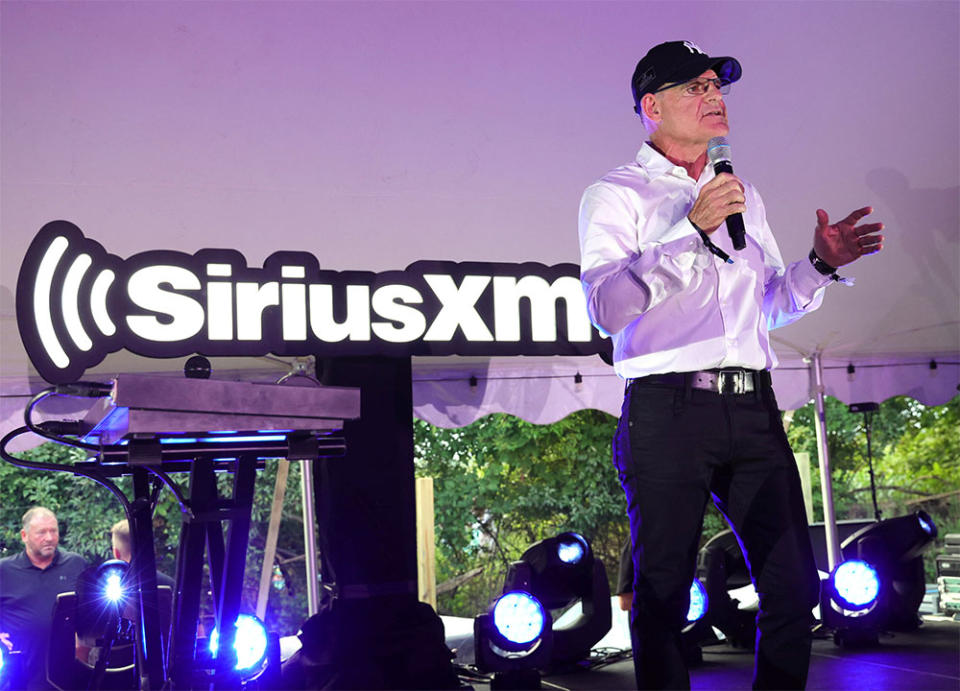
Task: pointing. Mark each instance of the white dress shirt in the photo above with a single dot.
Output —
(668, 303)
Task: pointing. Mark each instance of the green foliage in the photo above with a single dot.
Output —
(845, 430)
(501, 484)
(85, 510)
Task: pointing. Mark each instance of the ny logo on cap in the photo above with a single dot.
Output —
(648, 76)
(693, 47)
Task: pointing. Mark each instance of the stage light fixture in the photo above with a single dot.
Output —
(856, 585)
(10, 669)
(881, 582)
(513, 641)
(111, 579)
(571, 548)
(699, 602)
(250, 644)
(519, 636)
(519, 617)
(560, 572)
(103, 596)
(697, 629)
(113, 589)
(722, 568)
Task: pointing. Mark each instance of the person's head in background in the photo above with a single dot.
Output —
(40, 533)
(120, 540)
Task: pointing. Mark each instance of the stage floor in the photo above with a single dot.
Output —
(926, 659)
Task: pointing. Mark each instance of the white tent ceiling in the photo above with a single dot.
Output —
(376, 134)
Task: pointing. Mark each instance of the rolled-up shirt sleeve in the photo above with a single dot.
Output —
(789, 291)
(624, 275)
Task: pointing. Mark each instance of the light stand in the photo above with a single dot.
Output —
(868, 409)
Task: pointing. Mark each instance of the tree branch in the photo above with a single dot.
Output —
(897, 488)
(932, 497)
(455, 582)
(496, 543)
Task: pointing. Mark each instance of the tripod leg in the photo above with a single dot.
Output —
(203, 493)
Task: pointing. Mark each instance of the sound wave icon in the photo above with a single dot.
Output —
(64, 293)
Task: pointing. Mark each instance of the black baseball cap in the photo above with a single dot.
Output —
(678, 61)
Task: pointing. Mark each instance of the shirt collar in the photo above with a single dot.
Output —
(656, 164)
(24, 560)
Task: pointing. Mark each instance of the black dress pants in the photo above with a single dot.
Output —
(674, 447)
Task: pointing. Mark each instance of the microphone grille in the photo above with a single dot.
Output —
(718, 149)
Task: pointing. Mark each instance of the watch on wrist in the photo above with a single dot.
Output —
(827, 270)
(821, 265)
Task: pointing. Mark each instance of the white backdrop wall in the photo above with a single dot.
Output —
(375, 134)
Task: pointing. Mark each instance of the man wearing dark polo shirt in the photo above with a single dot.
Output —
(29, 585)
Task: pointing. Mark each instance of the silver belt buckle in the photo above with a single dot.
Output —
(733, 382)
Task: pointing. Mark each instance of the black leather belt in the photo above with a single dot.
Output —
(723, 381)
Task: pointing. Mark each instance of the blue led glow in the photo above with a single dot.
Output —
(519, 617)
(3, 658)
(698, 601)
(571, 549)
(856, 583)
(113, 588)
(250, 642)
(110, 580)
(234, 440)
(226, 439)
(928, 525)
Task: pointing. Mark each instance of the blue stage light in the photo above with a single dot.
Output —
(571, 548)
(113, 588)
(519, 617)
(3, 658)
(856, 584)
(111, 581)
(929, 527)
(698, 601)
(250, 642)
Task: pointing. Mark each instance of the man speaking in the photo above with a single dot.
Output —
(689, 315)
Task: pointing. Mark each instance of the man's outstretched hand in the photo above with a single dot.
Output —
(842, 242)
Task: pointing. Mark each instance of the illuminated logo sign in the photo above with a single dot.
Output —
(76, 303)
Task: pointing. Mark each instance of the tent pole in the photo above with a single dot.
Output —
(823, 454)
(273, 533)
(310, 537)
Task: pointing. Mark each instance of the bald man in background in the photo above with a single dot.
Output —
(29, 584)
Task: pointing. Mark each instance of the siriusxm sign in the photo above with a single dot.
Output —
(76, 303)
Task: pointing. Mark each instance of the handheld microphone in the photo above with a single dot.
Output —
(718, 153)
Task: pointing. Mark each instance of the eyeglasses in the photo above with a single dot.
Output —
(698, 87)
